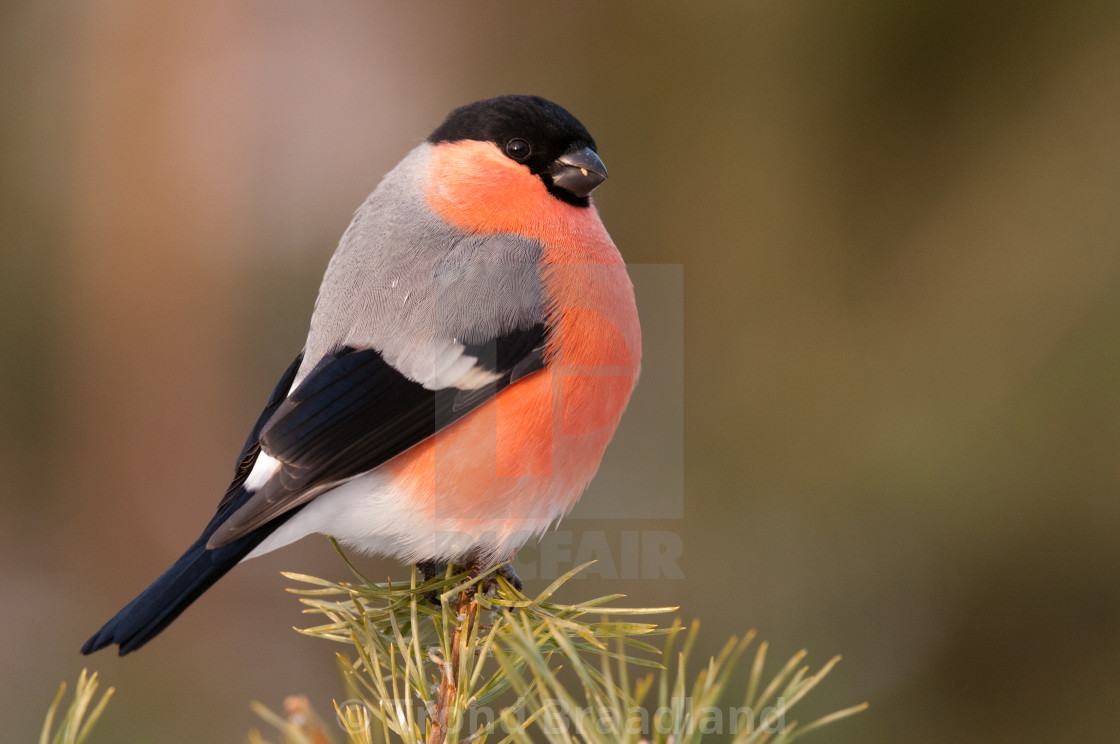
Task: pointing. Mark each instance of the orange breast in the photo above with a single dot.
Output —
(521, 460)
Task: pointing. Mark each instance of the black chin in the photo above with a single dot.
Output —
(563, 194)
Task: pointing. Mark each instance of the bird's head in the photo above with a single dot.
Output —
(515, 153)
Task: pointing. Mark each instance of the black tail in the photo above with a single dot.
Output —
(143, 618)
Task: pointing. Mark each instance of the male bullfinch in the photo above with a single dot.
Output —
(473, 346)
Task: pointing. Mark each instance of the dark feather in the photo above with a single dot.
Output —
(252, 448)
(354, 412)
(166, 598)
(198, 568)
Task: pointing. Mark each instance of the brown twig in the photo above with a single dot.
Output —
(465, 607)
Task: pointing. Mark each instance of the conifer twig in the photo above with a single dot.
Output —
(464, 608)
(483, 667)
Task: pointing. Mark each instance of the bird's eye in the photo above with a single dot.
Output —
(518, 149)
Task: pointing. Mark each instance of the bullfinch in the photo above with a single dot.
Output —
(473, 345)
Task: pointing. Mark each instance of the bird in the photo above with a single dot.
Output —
(472, 348)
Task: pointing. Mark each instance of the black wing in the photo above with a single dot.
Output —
(355, 411)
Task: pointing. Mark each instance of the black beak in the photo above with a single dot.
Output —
(578, 172)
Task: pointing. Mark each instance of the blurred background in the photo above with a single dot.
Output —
(898, 231)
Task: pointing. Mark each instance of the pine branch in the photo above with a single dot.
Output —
(421, 672)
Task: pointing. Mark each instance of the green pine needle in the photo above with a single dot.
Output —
(561, 673)
(78, 720)
(534, 669)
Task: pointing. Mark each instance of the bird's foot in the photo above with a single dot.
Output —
(430, 570)
(506, 572)
(489, 585)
